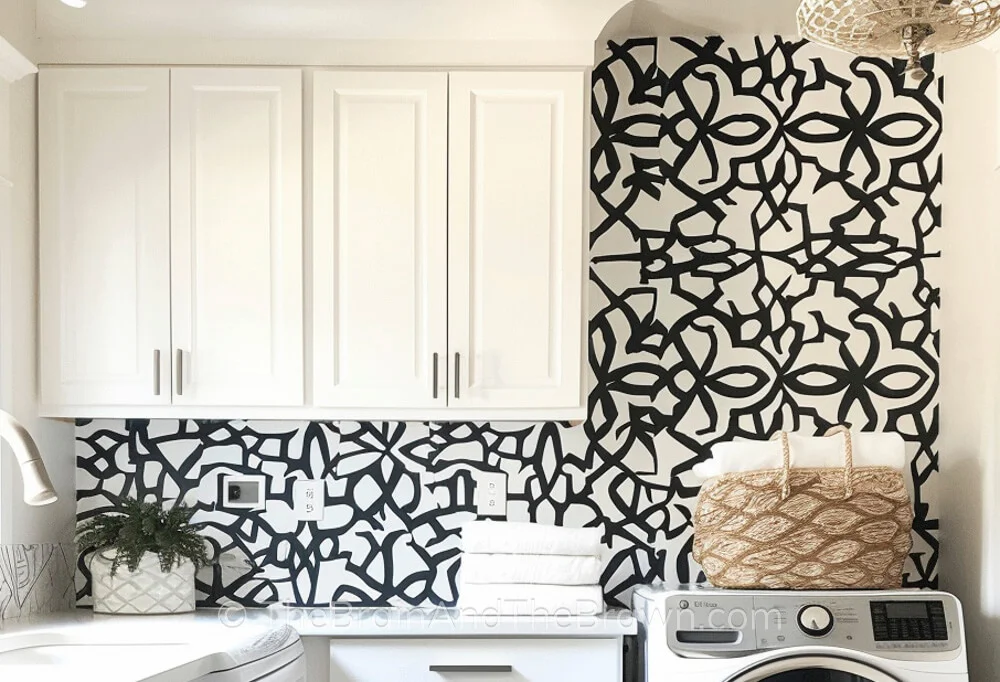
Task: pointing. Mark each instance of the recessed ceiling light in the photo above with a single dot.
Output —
(76, 4)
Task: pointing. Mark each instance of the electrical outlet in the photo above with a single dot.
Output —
(309, 500)
(244, 492)
(491, 494)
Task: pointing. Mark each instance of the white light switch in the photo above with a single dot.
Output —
(308, 500)
(491, 494)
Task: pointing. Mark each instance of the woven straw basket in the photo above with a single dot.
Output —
(805, 528)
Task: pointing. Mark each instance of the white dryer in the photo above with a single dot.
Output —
(698, 634)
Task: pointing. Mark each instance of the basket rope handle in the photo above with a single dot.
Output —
(848, 457)
(786, 460)
(786, 464)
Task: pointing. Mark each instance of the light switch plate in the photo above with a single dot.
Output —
(491, 493)
(309, 500)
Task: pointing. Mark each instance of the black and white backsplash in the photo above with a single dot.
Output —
(765, 226)
(36, 579)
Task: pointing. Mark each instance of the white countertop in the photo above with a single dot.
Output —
(441, 622)
(86, 647)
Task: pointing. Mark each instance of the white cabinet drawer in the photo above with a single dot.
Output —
(475, 660)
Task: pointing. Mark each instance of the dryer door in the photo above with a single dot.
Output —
(813, 669)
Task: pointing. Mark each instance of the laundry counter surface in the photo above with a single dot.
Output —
(83, 646)
(429, 644)
(440, 622)
(88, 647)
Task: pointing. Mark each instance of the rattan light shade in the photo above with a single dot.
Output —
(898, 28)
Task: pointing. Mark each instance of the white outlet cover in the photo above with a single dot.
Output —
(309, 500)
(491, 493)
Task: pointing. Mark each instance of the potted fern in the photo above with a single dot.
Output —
(143, 558)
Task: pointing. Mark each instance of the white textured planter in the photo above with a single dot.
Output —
(145, 591)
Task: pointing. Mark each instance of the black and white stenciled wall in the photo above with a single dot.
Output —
(763, 245)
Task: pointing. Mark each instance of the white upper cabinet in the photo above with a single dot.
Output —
(438, 274)
(236, 231)
(516, 239)
(104, 146)
(379, 239)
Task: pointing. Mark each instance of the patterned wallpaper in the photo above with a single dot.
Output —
(763, 247)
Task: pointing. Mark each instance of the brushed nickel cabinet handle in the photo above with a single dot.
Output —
(444, 669)
(156, 372)
(435, 376)
(180, 371)
(458, 374)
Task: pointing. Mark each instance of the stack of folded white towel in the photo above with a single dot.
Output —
(528, 569)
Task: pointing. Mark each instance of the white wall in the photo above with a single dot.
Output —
(19, 306)
(53, 523)
(969, 443)
(641, 18)
(17, 25)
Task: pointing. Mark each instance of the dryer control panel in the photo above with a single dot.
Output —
(921, 620)
(898, 624)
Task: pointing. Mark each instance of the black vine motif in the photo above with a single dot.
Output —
(762, 258)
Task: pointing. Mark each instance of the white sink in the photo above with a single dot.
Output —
(89, 654)
(84, 647)
(93, 655)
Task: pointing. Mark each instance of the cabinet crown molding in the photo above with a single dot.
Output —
(13, 65)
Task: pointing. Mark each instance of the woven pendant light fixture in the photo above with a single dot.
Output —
(906, 29)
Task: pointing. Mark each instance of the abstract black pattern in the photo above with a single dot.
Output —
(762, 257)
(769, 233)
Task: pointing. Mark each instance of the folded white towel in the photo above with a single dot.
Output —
(506, 537)
(530, 600)
(533, 570)
(870, 449)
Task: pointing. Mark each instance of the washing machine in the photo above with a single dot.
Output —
(700, 634)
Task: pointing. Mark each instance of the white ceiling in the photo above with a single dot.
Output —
(327, 19)
(409, 19)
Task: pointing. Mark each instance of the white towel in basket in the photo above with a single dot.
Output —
(870, 449)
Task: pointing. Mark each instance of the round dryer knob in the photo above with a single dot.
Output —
(815, 620)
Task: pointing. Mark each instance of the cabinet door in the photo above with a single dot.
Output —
(516, 235)
(488, 658)
(104, 206)
(379, 248)
(236, 228)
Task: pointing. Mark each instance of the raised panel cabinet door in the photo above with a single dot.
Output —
(380, 231)
(516, 239)
(236, 229)
(104, 207)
